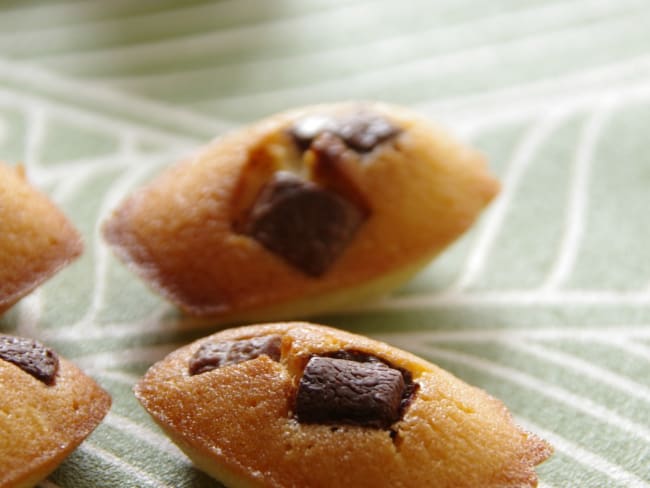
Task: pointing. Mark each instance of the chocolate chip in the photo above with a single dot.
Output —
(345, 391)
(30, 356)
(306, 225)
(352, 355)
(362, 131)
(213, 355)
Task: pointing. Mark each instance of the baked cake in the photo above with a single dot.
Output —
(47, 408)
(36, 239)
(302, 405)
(303, 212)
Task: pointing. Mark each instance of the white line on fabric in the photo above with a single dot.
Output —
(154, 324)
(599, 71)
(92, 120)
(496, 215)
(44, 175)
(127, 145)
(614, 334)
(505, 298)
(576, 209)
(89, 448)
(127, 379)
(584, 456)
(117, 191)
(34, 136)
(571, 85)
(4, 131)
(71, 184)
(117, 330)
(62, 171)
(442, 35)
(424, 68)
(597, 373)
(125, 356)
(30, 309)
(556, 393)
(28, 75)
(478, 120)
(86, 15)
(640, 350)
(514, 111)
(152, 438)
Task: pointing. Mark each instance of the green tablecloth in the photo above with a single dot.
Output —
(545, 303)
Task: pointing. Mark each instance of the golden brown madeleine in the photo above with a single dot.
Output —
(302, 405)
(47, 408)
(36, 239)
(302, 212)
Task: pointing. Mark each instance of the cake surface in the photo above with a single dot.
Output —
(47, 408)
(301, 405)
(36, 239)
(301, 212)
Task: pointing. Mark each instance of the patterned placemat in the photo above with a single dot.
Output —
(545, 303)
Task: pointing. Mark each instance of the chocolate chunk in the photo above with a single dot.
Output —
(30, 356)
(410, 386)
(335, 390)
(213, 355)
(301, 222)
(361, 132)
(364, 132)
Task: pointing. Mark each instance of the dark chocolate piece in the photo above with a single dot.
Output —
(335, 390)
(361, 132)
(301, 222)
(410, 386)
(364, 132)
(31, 356)
(213, 355)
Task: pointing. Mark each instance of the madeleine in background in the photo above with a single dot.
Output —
(36, 239)
(303, 212)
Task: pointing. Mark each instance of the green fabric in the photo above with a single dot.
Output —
(545, 303)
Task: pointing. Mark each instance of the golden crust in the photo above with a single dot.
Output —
(40, 424)
(236, 422)
(36, 239)
(423, 189)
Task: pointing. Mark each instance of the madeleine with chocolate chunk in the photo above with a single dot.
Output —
(47, 408)
(301, 213)
(297, 404)
(36, 239)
